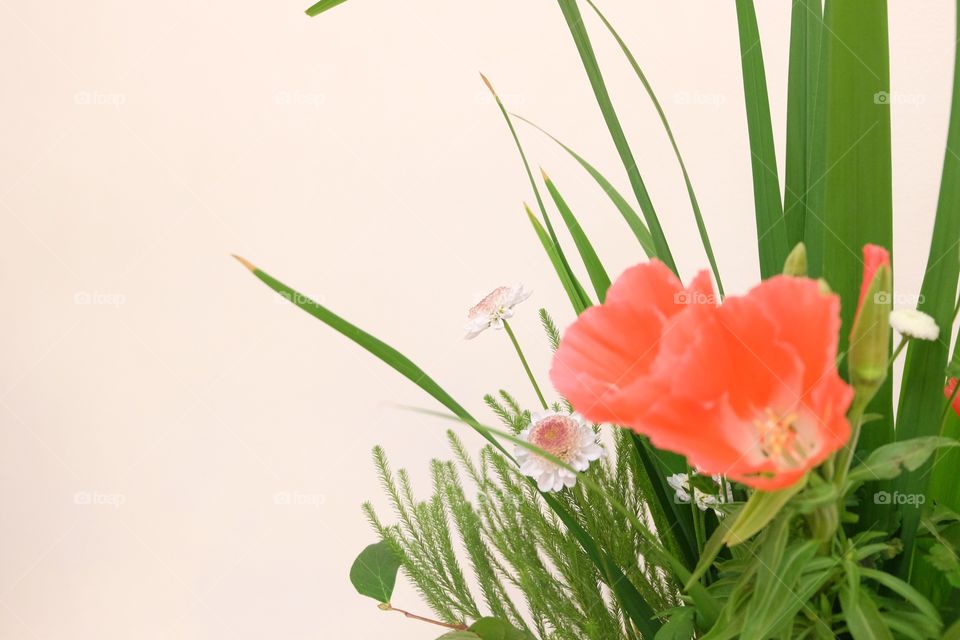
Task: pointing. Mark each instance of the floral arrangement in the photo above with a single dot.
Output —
(710, 466)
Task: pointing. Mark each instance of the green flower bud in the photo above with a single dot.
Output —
(796, 264)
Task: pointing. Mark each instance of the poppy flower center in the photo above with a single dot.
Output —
(557, 435)
(780, 440)
(491, 304)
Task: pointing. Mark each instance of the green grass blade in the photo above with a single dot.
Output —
(628, 597)
(922, 400)
(631, 217)
(813, 229)
(571, 14)
(701, 226)
(802, 86)
(857, 196)
(536, 191)
(577, 299)
(678, 518)
(323, 5)
(771, 229)
(598, 275)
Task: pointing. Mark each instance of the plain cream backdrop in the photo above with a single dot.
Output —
(183, 456)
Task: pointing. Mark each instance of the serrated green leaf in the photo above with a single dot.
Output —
(374, 572)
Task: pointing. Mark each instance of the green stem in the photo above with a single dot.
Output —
(845, 456)
(413, 616)
(898, 351)
(523, 361)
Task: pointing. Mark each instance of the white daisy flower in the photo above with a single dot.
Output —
(911, 323)
(565, 436)
(492, 309)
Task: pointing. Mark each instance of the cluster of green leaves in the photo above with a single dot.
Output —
(496, 522)
(788, 565)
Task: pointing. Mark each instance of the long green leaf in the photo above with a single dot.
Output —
(921, 399)
(571, 13)
(678, 520)
(631, 217)
(701, 225)
(323, 5)
(802, 88)
(857, 197)
(576, 299)
(598, 275)
(536, 192)
(771, 229)
(627, 595)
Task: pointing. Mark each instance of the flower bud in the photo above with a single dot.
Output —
(796, 264)
(869, 353)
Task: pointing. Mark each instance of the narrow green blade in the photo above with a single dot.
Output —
(678, 519)
(598, 275)
(576, 298)
(922, 400)
(571, 13)
(858, 204)
(323, 5)
(802, 86)
(536, 192)
(814, 231)
(629, 215)
(701, 225)
(633, 604)
(771, 230)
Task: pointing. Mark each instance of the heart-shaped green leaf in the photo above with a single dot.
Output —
(374, 572)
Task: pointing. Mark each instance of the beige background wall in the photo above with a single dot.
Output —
(157, 403)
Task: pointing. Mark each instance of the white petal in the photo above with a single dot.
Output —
(912, 323)
(545, 482)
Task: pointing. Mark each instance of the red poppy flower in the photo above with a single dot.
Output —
(748, 389)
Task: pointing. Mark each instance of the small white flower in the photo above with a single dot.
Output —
(565, 436)
(680, 483)
(493, 308)
(911, 323)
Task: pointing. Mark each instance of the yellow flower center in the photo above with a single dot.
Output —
(779, 439)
